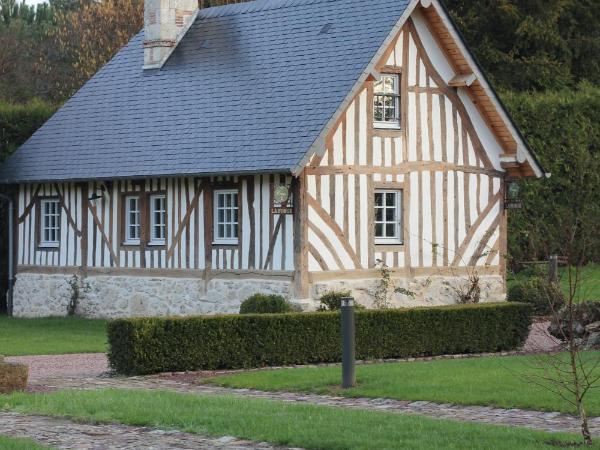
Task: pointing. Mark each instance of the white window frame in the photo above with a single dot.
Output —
(154, 240)
(221, 240)
(395, 124)
(52, 227)
(399, 238)
(128, 225)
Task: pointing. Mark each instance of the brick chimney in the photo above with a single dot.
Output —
(165, 23)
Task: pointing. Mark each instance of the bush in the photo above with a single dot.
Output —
(543, 295)
(265, 304)
(332, 301)
(586, 315)
(18, 122)
(150, 345)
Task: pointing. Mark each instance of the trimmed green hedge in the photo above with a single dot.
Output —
(144, 346)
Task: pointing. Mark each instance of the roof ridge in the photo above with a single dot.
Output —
(253, 6)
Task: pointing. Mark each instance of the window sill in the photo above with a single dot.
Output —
(226, 243)
(156, 244)
(387, 126)
(130, 244)
(387, 132)
(389, 246)
(49, 247)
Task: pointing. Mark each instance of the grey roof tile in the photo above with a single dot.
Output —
(249, 89)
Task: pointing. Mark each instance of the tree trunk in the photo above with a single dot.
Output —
(585, 430)
(573, 350)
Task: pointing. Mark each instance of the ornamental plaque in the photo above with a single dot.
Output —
(282, 200)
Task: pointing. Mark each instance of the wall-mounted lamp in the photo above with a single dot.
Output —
(97, 196)
(513, 196)
(514, 191)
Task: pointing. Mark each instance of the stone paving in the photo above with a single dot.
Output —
(547, 421)
(65, 434)
(88, 372)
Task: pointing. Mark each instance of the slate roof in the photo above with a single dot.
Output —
(249, 89)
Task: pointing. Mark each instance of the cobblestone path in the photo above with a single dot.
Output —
(64, 434)
(547, 421)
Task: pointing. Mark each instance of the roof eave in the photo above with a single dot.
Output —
(525, 153)
(282, 170)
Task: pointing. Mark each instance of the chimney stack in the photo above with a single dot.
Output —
(165, 23)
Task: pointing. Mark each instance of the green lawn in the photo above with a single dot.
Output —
(51, 336)
(296, 425)
(9, 443)
(589, 287)
(589, 284)
(494, 381)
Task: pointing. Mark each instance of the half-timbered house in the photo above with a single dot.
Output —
(274, 146)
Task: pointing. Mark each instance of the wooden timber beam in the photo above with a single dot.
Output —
(462, 80)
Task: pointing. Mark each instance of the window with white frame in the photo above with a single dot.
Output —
(388, 216)
(226, 217)
(132, 220)
(158, 220)
(49, 223)
(386, 101)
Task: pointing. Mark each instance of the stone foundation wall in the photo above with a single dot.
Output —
(41, 295)
(103, 296)
(428, 291)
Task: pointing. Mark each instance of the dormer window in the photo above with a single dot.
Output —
(386, 101)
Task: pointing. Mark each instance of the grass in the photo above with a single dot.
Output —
(9, 443)
(589, 284)
(496, 381)
(589, 288)
(51, 336)
(295, 425)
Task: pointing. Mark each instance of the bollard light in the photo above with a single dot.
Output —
(348, 344)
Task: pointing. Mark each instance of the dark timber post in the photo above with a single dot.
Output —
(348, 339)
(553, 269)
(11, 252)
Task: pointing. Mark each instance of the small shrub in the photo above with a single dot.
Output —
(332, 301)
(78, 288)
(144, 346)
(265, 304)
(386, 286)
(470, 291)
(543, 295)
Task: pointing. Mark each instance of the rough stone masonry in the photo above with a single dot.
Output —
(104, 296)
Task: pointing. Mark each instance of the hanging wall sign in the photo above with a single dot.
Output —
(513, 196)
(282, 201)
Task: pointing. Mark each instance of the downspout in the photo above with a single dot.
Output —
(11, 274)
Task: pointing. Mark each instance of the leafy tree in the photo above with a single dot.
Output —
(91, 32)
(532, 44)
(25, 52)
